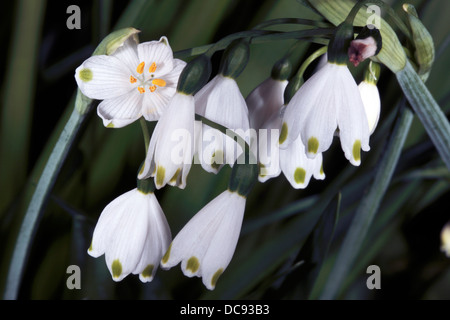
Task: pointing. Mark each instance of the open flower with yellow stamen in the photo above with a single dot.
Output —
(137, 80)
(133, 234)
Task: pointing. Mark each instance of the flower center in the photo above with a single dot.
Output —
(142, 80)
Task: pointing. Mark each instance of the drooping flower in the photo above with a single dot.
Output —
(133, 234)
(207, 242)
(172, 145)
(327, 101)
(137, 80)
(221, 101)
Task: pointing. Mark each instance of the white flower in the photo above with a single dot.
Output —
(371, 100)
(264, 105)
(221, 101)
(445, 239)
(136, 80)
(265, 100)
(133, 233)
(297, 167)
(327, 101)
(172, 145)
(207, 242)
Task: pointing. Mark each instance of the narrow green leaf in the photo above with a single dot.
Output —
(368, 207)
(427, 109)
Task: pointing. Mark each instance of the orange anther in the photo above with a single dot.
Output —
(141, 89)
(152, 68)
(140, 67)
(132, 79)
(152, 88)
(159, 82)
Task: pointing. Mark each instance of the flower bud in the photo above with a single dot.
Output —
(282, 70)
(367, 44)
(195, 75)
(235, 58)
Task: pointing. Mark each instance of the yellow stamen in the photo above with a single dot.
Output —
(152, 88)
(141, 89)
(159, 82)
(140, 67)
(152, 68)
(132, 79)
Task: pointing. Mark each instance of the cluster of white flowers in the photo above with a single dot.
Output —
(141, 80)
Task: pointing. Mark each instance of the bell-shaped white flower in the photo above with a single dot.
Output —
(172, 145)
(133, 234)
(372, 103)
(327, 101)
(264, 105)
(445, 239)
(136, 80)
(297, 167)
(207, 242)
(221, 101)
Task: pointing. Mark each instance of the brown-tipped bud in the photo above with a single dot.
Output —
(366, 45)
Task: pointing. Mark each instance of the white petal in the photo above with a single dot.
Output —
(127, 54)
(221, 101)
(296, 166)
(128, 238)
(351, 117)
(297, 112)
(157, 241)
(268, 148)
(172, 142)
(109, 218)
(155, 103)
(223, 244)
(371, 100)
(103, 77)
(121, 111)
(158, 52)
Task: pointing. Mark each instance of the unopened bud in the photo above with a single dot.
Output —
(366, 45)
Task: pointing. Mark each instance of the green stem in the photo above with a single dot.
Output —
(257, 36)
(310, 59)
(306, 22)
(33, 214)
(145, 132)
(368, 207)
(427, 109)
